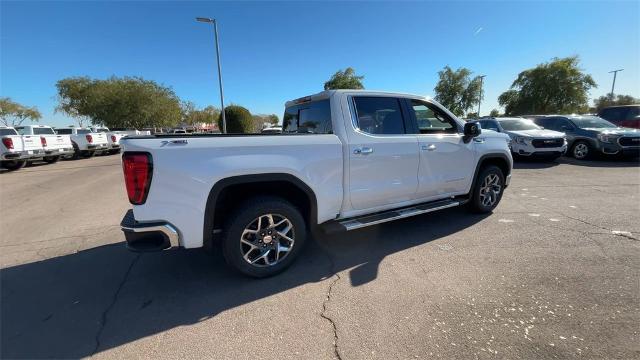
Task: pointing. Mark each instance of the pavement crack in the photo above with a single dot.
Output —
(326, 301)
(616, 233)
(105, 313)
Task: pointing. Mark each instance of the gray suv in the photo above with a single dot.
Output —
(588, 135)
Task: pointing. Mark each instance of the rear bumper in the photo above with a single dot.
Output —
(61, 151)
(148, 236)
(18, 155)
(97, 147)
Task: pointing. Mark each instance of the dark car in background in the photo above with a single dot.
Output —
(590, 135)
(623, 116)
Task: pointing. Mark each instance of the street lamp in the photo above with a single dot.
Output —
(215, 31)
(480, 97)
(615, 72)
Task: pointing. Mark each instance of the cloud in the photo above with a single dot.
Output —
(477, 31)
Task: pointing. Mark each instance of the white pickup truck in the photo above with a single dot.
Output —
(85, 142)
(16, 149)
(346, 159)
(113, 138)
(53, 146)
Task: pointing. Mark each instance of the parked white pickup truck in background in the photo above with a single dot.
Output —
(13, 153)
(54, 146)
(85, 142)
(346, 159)
(113, 138)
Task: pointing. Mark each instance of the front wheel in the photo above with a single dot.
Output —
(488, 189)
(13, 164)
(581, 150)
(263, 236)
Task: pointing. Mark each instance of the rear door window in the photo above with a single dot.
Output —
(308, 118)
(379, 115)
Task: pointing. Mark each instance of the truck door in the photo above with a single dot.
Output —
(447, 163)
(383, 155)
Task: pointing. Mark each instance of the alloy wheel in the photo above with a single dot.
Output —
(490, 190)
(580, 151)
(267, 240)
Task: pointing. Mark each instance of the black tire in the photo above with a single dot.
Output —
(13, 165)
(51, 159)
(578, 150)
(476, 203)
(76, 152)
(243, 218)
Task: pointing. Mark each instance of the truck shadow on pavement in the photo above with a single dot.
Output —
(80, 304)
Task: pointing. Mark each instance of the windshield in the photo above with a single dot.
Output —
(585, 122)
(518, 124)
(43, 131)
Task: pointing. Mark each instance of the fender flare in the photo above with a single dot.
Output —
(484, 157)
(220, 185)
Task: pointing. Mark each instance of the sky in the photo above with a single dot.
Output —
(272, 52)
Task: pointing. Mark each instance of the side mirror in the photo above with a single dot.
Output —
(472, 129)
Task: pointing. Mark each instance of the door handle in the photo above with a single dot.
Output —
(364, 151)
(429, 148)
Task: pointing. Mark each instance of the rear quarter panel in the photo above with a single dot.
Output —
(184, 174)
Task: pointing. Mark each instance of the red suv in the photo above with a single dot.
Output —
(623, 116)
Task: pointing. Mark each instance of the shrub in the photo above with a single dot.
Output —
(239, 120)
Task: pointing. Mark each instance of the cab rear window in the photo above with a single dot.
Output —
(308, 118)
(4, 132)
(64, 131)
(43, 131)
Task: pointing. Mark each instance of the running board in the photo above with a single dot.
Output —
(379, 218)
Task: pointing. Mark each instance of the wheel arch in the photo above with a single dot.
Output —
(230, 191)
(500, 160)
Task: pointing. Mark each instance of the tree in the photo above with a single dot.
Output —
(192, 116)
(604, 101)
(129, 102)
(14, 114)
(494, 113)
(261, 120)
(344, 79)
(239, 120)
(558, 86)
(457, 91)
(472, 115)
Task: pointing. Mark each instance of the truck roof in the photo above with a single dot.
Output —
(328, 93)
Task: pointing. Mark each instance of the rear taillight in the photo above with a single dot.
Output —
(113, 138)
(138, 169)
(8, 143)
(43, 141)
(89, 138)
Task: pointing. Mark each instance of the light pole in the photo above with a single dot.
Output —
(480, 97)
(215, 31)
(615, 72)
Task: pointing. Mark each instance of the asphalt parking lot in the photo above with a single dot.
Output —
(554, 272)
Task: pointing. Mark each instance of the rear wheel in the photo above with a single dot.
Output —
(488, 189)
(13, 164)
(263, 236)
(51, 159)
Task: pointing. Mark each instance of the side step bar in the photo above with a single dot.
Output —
(379, 218)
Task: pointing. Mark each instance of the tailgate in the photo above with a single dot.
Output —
(99, 138)
(16, 140)
(58, 141)
(31, 142)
